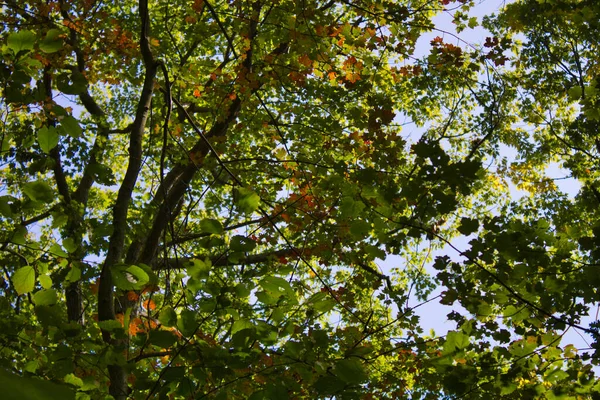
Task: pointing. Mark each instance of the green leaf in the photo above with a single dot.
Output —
(168, 317)
(47, 138)
(140, 276)
(242, 243)
(163, 339)
(73, 83)
(198, 269)
(74, 274)
(473, 22)
(360, 229)
(39, 191)
(575, 93)
(16, 387)
(49, 315)
(70, 245)
(71, 379)
(351, 371)
(455, 341)
(71, 126)
(173, 373)
(45, 281)
(5, 206)
(243, 290)
(21, 41)
(129, 277)
(57, 251)
(32, 366)
(110, 325)
(276, 287)
(351, 208)
(53, 41)
(152, 277)
(328, 385)
(246, 200)
(468, 226)
(186, 322)
(211, 226)
(241, 324)
(322, 302)
(45, 297)
(19, 236)
(23, 280)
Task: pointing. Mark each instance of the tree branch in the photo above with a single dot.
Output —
(106, 311)
(59, 174)
(117, 239)
(153, 354)
(194, 236)
(222, 261)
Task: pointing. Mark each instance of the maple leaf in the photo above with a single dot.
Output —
(352, 77)
(198, 5)
(305, 60)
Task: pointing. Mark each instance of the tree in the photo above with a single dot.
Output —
(196, 194)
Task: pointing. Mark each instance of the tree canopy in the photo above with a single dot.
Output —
(198, 197)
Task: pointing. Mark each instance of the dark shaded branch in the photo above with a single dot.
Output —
(149, 355)
(221, 27)
(373, 271)
(200, 151)
(222, 261)
(39, 217)
(117, 239)
(193, 236)
(118, 378)
(59, 174)
(90, 104)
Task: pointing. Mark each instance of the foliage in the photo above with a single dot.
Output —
(196, 193)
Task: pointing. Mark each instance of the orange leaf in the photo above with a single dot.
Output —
(305, 60)
(352, 77)
(136, 326)
(149, 304)
(176, 332)
(296, 77)
(94, 287)
(196, 157)
(151, 324)
(196, 93)
(132, 296)
(260, 379)
(197, 6)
